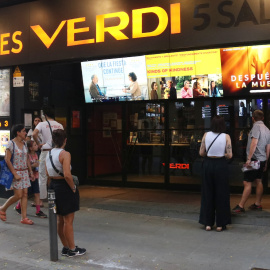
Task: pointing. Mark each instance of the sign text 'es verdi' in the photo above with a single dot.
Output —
(74, 26)
(180, 20)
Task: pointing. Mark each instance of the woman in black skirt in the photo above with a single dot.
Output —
(66, 194)
(215, 202)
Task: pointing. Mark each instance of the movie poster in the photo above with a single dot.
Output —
(4, 92)
(105, 80)
(158, 65)
(4, 138)
(235, 71)
(259, 66)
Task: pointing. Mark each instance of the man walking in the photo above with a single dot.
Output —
(258, 148)
(45, 129)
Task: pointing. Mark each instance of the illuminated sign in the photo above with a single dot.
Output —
(117, 30)
(39, 31)
(180, 166)
(4, 123)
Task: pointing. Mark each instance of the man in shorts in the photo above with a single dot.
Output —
(258, 148)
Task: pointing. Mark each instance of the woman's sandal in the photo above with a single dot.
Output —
(27, 221)
(220, 229)
(208, 228)
(3, 216)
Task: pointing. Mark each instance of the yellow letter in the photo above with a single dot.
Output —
(137, 22)
(71, 31)
(47, 41)
(3, 43)
(113, 30)
(17, 41)
(175, 18)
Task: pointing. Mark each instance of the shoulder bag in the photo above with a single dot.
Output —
(52, 143)
(6, 176)
(75, 178)
(210, 147)
(211, 144)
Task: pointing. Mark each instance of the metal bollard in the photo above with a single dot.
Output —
(52, 226)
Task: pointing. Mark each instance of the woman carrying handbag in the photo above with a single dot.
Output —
(21, 170)
(215, 201)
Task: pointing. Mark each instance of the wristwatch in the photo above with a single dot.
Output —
(74, 188)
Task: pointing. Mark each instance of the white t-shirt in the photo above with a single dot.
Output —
(30, 134)
(44, 130)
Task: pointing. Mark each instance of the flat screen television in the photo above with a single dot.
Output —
(217, 73)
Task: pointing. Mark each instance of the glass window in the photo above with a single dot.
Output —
(145, 142)
(189, 120)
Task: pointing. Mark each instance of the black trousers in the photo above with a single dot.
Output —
(215, 200)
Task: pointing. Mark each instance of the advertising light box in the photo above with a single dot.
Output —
(178, 75)
(4, 92)
(4, 138)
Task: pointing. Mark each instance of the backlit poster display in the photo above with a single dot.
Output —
(158, 65)
(4, 92)
(178, 75)
(182, 63)
(235, 71)
(259, 67)
(105, 80)
(4, 138)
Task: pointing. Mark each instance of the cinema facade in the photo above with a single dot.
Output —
(50, 51)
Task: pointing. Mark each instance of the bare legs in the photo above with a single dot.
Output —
(19, 194)
(259, 191)
(65, 230)
(247, 191)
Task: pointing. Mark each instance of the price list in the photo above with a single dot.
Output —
(206, 112)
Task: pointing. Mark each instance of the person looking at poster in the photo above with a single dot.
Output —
(186, 91)
(198, 91)
(94, 89)
(134, 88)
(258, 149)
(154, 94)
(213, 90)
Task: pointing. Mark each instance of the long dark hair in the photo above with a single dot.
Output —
(33, 125)
(152, 85)
(218, 124)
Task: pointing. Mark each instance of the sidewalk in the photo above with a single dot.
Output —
(139, 229)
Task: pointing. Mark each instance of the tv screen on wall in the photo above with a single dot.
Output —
(178, 75)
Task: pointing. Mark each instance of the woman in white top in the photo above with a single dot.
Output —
(215, 201)
(29, 137)
(134, 88)
(67, 198)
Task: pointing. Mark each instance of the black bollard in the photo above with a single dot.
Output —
(52, 226)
